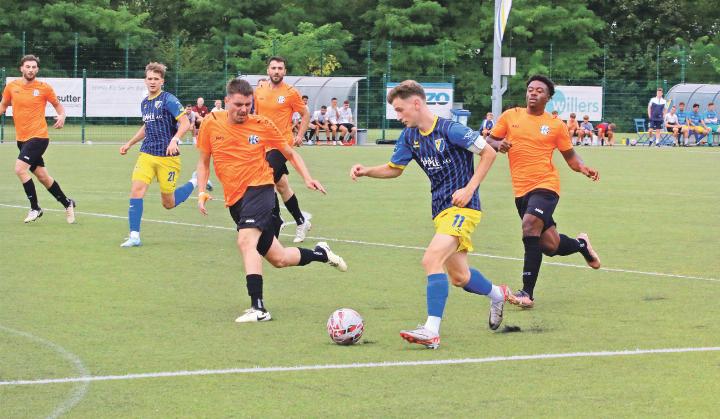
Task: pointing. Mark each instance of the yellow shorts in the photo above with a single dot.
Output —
(458, 222)
(165, 169)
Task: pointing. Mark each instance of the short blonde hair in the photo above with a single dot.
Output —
(405, 90)
(156, 68)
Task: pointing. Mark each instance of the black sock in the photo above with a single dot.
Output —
(584, 251)
(293, 206)
(568, 246)
(255, 290)
(307, 256)
(531, 267)
(55, 190)
(29, 187)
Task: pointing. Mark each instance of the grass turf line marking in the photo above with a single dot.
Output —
(394, 246)
(80, 390)
(387, 364)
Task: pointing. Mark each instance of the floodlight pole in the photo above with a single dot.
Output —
(497, 88)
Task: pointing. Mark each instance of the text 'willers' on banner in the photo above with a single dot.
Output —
(439, 98)
(104, 97)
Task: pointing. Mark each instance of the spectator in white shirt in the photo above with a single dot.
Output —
(320, 120)
(333, 116)
(346, 122)
(218, 106)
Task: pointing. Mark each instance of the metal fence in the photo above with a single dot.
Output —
(624, 97)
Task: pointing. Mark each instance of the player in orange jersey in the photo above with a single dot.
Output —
(28, 97)
(530, 136)
(236, 141)
(278, 101)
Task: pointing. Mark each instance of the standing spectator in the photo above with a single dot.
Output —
(487, 124)
(656, 115)
(586, 130)
(682, 117)
(200, 111)
(606, 133)
(672, 124)
(573, 128)
(345, 121)
(697, 124)
(333, 116)
(192, 117)
(218, 106)
(320, 120)
(711, 122)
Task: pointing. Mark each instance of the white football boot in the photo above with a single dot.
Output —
(33, 215)
(253, 315)
(333, 260)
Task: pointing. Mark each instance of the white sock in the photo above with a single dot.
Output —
(134, 234)
(433, 323)
(496, 294)
(193, 180)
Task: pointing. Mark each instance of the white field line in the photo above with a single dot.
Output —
(387, 364)
(80, 390)
(394, 246)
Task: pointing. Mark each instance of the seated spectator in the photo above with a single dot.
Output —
(319, 121)
(682, 117)
(191, 116)
(672, 124)
(697, 124)
(218, 106)
(333, 116)
(345, 120)
(606, 133)
(711, 123)
(573, 128)
(487, 125)
(586, 131)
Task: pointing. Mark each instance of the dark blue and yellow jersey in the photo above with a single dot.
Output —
(444, 155)
(160, 115)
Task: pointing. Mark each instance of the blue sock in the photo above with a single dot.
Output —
(135, 213)
(478, 284)
(182, 193)
(437, 294)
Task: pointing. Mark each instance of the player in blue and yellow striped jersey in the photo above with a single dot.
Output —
(164, 123)
(444, 150)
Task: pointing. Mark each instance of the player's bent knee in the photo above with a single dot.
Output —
(459, 279)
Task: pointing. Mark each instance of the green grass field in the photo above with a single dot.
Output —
(73, 303)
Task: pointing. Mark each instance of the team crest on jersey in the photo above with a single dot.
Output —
(416, 144)
(254, 139)
(281, 99)
(158, 104)
(544, 130)
(36, 92)
(440, 145)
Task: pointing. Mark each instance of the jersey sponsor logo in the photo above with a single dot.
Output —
(253, 139)
(544, 130)
(281, 99)
(440, 144)
(219, 138)
(36, 92)
(158, 104)
(416, 144)
(515, 125)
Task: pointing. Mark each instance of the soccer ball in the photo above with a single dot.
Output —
(345, 326)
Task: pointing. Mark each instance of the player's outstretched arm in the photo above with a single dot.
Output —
(384, 171)
(203, 174)
(139, 135)
(299, 165)
(499, 144)
(576, 163)
(461, 197)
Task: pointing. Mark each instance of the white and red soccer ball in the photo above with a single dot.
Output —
(345, 326)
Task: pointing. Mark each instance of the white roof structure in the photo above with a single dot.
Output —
(701, 94)
(320, 89)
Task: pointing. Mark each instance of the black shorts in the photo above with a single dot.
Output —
(656, 124)
(277, 161)
(32, 150)
(255, 210)
(540, 203)
(347, 125)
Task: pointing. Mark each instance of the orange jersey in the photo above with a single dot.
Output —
(238, 151)
(533, 138)
(279, 104)
(28, 102)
